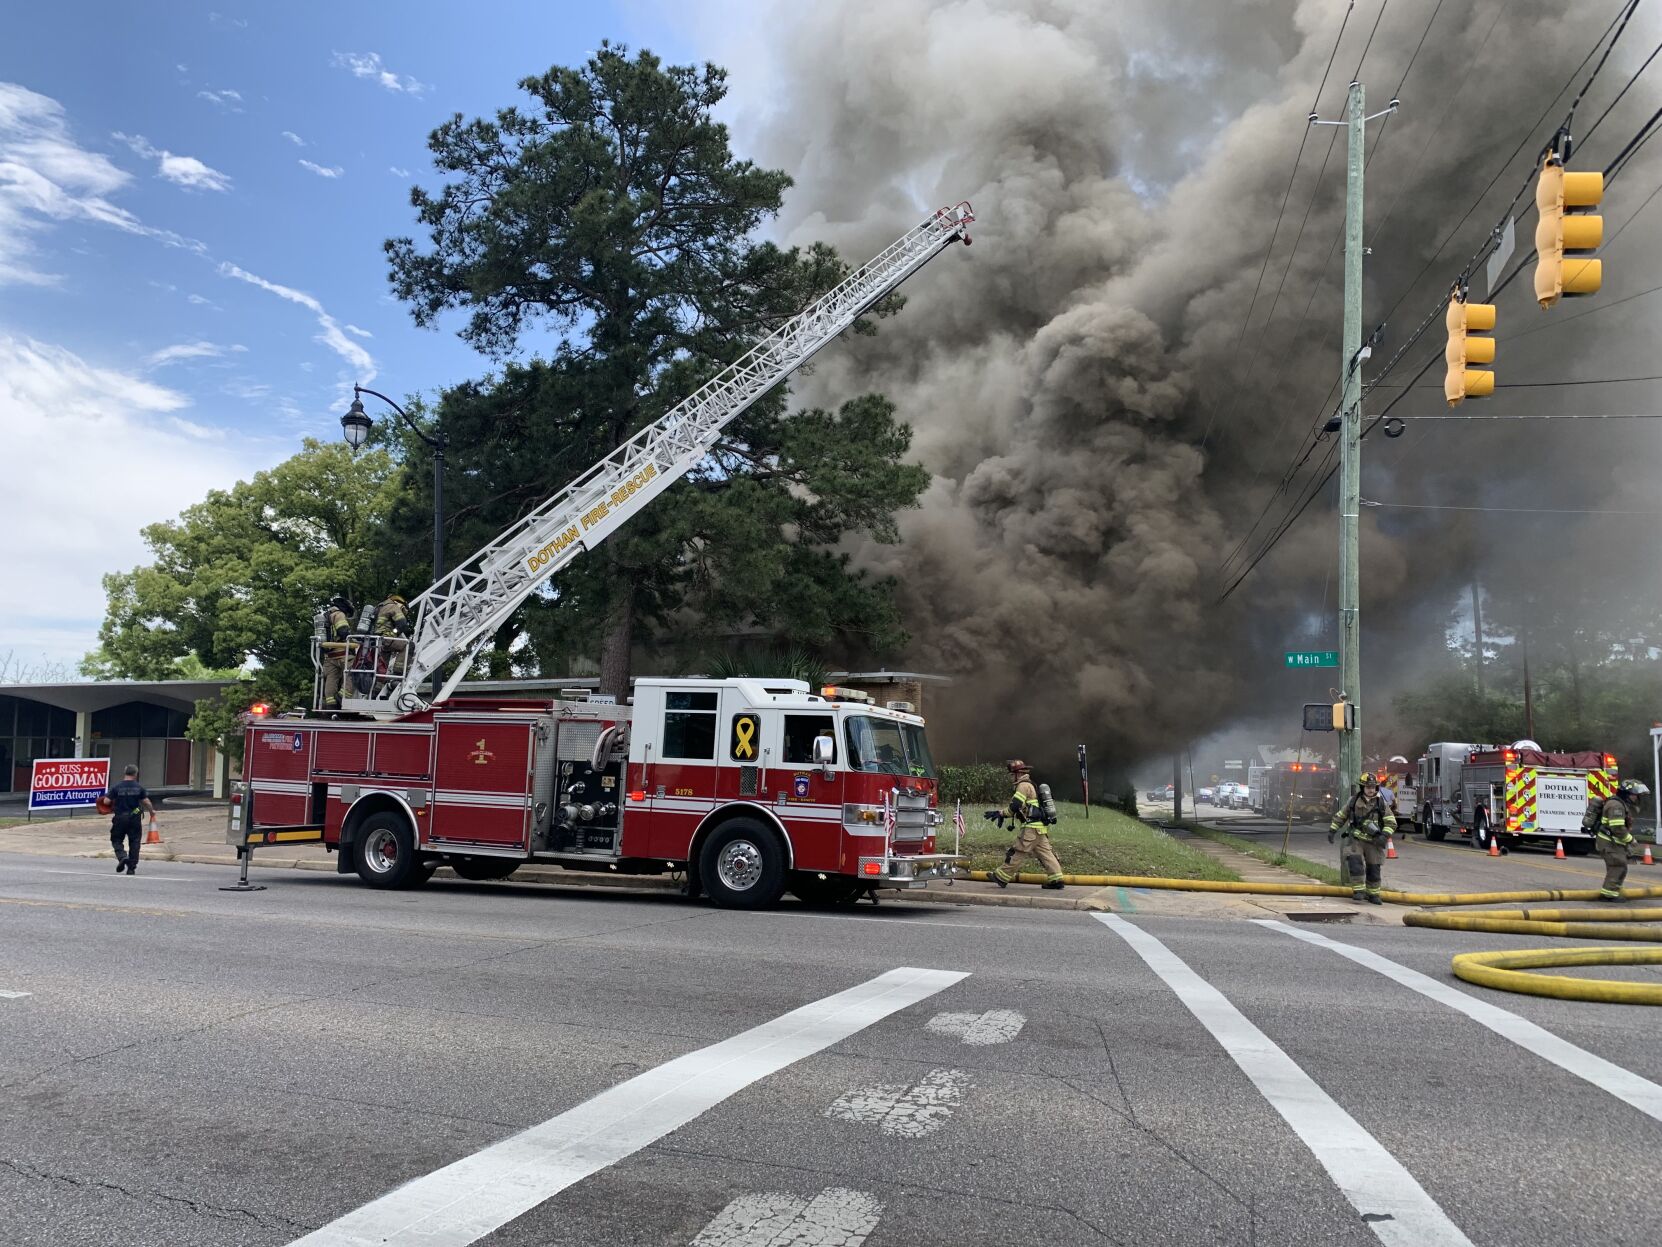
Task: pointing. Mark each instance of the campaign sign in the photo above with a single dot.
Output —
(68, 783)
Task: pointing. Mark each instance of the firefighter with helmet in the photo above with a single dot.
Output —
(1611, 822)
(392, 625)
(1369, 821)
(1032, 832)
(337, 627)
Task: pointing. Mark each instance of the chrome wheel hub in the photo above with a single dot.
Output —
(381, 850)
(739, 866)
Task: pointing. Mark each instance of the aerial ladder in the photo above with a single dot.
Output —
(454, 618)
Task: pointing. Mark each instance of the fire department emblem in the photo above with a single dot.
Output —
(480, 755)
(799, 785)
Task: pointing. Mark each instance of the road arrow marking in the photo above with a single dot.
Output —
(13, 995)
(1395, 1207)
(909, 1111)
(836, 1217)
(979, 1029)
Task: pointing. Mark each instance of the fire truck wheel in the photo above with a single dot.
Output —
(384, 853)
(483, 869)
(742, 865)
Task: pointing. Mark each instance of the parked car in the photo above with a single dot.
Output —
(1206, 795)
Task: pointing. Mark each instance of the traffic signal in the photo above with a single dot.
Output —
(1565, 225)
(1465, 319)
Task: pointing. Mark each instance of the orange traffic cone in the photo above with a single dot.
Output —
(1390, 847)
(1559, 851)
(153, 836)
(1494, 844)
(1646, 860)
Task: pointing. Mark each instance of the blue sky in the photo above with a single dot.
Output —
(193, 199)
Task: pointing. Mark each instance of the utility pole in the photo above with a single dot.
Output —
(1177, 787)
(1352, 355)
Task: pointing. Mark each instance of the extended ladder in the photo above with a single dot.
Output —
(457, 615)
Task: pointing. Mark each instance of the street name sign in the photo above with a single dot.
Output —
(1313, 658)
(67, 783)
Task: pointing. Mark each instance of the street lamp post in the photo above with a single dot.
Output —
(356, 424)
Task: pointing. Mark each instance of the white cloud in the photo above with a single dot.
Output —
(397, 172)
(185, 171)
(368, 65)
(362, 333)
(322, 171)
(294, 138)
(201, 301)
(46, 178)
(226, 98)
(330, 332)
(191, 350)
(147, 464)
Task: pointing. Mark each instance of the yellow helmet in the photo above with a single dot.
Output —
(1366, 778)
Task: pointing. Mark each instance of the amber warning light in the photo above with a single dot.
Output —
(260, 709)
(1609, 761)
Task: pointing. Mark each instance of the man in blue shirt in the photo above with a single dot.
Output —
(129, 803)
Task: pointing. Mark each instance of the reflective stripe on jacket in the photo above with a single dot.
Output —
(1024, 804)
(1615, 821)
(1358, 811)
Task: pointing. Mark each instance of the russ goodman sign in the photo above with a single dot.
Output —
(68, 783)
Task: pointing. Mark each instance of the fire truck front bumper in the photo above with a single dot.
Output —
(908, 871)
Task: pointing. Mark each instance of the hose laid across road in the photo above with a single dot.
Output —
(1505, 970)
(1325, 889)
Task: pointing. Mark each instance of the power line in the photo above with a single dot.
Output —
(1618, 24)
(1285, 196)
(1609, 108)
(1356, 77)
(1426, 506)
(1562, 415)
(1536, 385)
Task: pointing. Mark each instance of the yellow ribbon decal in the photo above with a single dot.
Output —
(744, 736)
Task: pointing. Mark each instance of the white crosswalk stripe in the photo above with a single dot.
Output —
(979, 1029)
(13, 995)
(906, 1110)
(836, 1217)
(1396, 1207)
(470, 1198)
(1625, 1085)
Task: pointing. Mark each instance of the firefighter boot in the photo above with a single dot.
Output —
(1052, 885)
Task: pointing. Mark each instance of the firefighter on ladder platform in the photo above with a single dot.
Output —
(1369, 822)
(1032, 832)
(337, 627)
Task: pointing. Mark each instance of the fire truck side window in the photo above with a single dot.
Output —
(800, 730)
(690, 725)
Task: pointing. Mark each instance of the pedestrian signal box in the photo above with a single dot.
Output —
(1336, 716)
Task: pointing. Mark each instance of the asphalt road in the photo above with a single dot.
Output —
(1429, 866)
(506, 1065)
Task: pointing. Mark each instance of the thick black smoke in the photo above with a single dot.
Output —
(1098, 440)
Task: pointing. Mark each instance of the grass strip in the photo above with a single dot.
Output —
(1106, 843)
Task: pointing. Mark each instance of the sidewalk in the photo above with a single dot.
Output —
(194, 831)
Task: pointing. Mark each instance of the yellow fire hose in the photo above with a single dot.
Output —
(1324, 889)
(1501, 970)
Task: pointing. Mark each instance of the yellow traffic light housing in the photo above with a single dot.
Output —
(1565, 225)
(1461, 382)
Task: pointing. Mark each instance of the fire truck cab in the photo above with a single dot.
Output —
(748, 786)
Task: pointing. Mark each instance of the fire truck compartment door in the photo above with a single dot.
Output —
(482, 791)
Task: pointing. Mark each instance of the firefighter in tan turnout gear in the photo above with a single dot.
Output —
(1368, 820)
(1032, 832)
(1611, 821)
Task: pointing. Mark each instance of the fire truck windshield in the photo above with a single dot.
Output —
(888, 748)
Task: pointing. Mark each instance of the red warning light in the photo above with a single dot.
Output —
(872, 868)
(637, 795)
(1609, 761)
(260, 709)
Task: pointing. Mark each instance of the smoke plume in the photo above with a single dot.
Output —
(1098, 439)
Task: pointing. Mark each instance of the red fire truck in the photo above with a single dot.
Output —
(1302, 790)
(747, 786)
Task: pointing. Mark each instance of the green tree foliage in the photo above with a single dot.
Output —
(975, 783)
(612, 212)
(236, 578)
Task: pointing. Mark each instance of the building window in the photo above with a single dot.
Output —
(690, 725)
